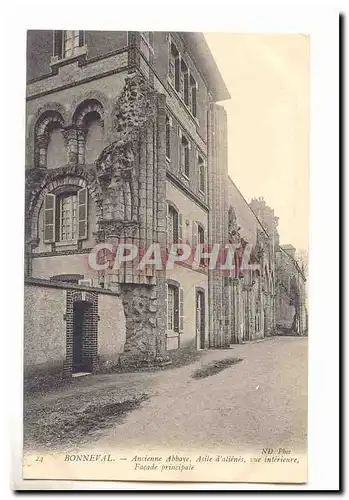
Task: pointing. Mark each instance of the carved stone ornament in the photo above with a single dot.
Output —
(233, 227)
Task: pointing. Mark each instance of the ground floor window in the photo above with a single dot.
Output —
(172, 308)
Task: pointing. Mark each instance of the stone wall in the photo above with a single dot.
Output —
(44, 330)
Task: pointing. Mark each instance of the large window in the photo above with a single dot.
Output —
(172, 225)
(65, 216)
(181, 78)
(174, 67)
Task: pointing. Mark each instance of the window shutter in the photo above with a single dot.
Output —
(194, 90)
(49, 218)
(82, 214)
(181, 310)
(81, 38)
(180, 228)
(58, 43)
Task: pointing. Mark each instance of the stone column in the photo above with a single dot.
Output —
(41, 152)
(81, 142)
(71, 143)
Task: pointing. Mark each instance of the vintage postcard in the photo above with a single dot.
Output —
(166, 256)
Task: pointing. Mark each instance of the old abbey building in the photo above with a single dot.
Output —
(126, 143)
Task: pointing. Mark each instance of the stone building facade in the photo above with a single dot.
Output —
(290, 293)
(125, 144)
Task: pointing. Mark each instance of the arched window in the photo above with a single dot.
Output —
(50, 149)
(89, 120)
(174, 225)
(56, 151)
(65, 215)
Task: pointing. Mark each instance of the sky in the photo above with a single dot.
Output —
(268, 122)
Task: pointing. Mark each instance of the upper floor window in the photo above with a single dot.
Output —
(181, 78)
(172, 225)
(168, 136)
(67, 43)
(184, 155)
(202, 174)
(89, 121)
(70, 42)
(49, 142)
(174, 67)
(193, 95)
(185, 82)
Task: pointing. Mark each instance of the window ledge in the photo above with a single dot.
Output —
(172, 335)
(66, 243)
(80, 52)
(185, 176)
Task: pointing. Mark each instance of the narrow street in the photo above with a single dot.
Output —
(258, 402)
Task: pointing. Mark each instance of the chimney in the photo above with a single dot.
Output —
(289, 249)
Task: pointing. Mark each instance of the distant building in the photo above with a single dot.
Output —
(291, 293)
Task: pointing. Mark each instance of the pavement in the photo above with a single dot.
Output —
(259, 402)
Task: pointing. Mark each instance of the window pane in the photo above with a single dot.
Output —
(170, 308)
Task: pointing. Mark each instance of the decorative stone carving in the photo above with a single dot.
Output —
(115, 228)
(135, 107)
(140, 309)
(233, 227)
